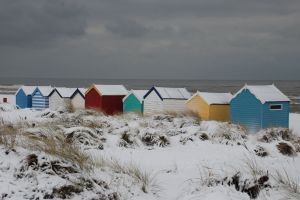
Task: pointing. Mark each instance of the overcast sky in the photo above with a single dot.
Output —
(153, 39)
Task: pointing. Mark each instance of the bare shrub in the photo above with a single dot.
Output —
(286, 149)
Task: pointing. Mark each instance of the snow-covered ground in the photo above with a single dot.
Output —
(145, 158)
(295, 123)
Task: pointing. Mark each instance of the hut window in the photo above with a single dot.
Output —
(276, 107)
(4, 100)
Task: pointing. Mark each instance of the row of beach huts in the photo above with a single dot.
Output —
(254, 107)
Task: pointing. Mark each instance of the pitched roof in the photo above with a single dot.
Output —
(170, 93)
(28, 90)
(45, 90)
(214, 98)
(82, 90)
(138, 93)
(111, 90)
(65, 92)
(265, 93)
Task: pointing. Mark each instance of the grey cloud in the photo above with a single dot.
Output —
(190, 39)
(33, 22)
(127, 28)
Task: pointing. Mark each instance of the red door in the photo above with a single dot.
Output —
(93, 100)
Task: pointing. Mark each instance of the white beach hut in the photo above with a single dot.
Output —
(164, 99)
(60, 98)
(78, 99)
(8, 94)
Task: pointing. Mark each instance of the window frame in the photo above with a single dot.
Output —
(270, 107)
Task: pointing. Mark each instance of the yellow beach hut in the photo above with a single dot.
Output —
(210, 106)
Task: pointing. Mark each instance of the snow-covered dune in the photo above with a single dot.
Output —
(87, 155)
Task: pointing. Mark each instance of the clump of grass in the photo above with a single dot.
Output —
(208, 177)
(261, 151)
(163, 141)
(151, 139)
(8, 134)
(146, 179)
(56, 144)
(289, 184)
(127, 140)
(228, 133)
(273, 134)
(254, 168)
(203, 136)
(296, 144)
(285, 149)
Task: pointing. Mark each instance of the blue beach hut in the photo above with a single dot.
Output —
(40, 97)
(258, 107)
(23, 96)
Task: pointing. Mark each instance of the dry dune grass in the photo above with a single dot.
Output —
(8, 135)
(56, 144)
(143, 177)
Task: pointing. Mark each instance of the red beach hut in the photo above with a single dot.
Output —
(105, 98)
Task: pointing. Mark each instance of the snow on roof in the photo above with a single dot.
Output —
(82, 90)
(45, 90)
(65, 92)
(28, 90)
(214, 98)
(109, 90)
(138, 93)
(265, 93)
(173, 93)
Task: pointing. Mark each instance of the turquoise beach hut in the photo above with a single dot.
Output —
(259, 107)
(133, 102)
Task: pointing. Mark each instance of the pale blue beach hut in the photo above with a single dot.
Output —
(260, 106)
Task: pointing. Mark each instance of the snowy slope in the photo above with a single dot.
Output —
(177, 157)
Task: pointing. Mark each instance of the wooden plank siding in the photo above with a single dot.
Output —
(247, 110)
(39, 102)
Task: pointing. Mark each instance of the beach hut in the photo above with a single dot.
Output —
(24, 96)
(105, 98)
(78, 99)
(260, 106)
(40, 97)
(8, 94)
(133, 102)
(60, 98)
(164, 99)
(210, 106)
